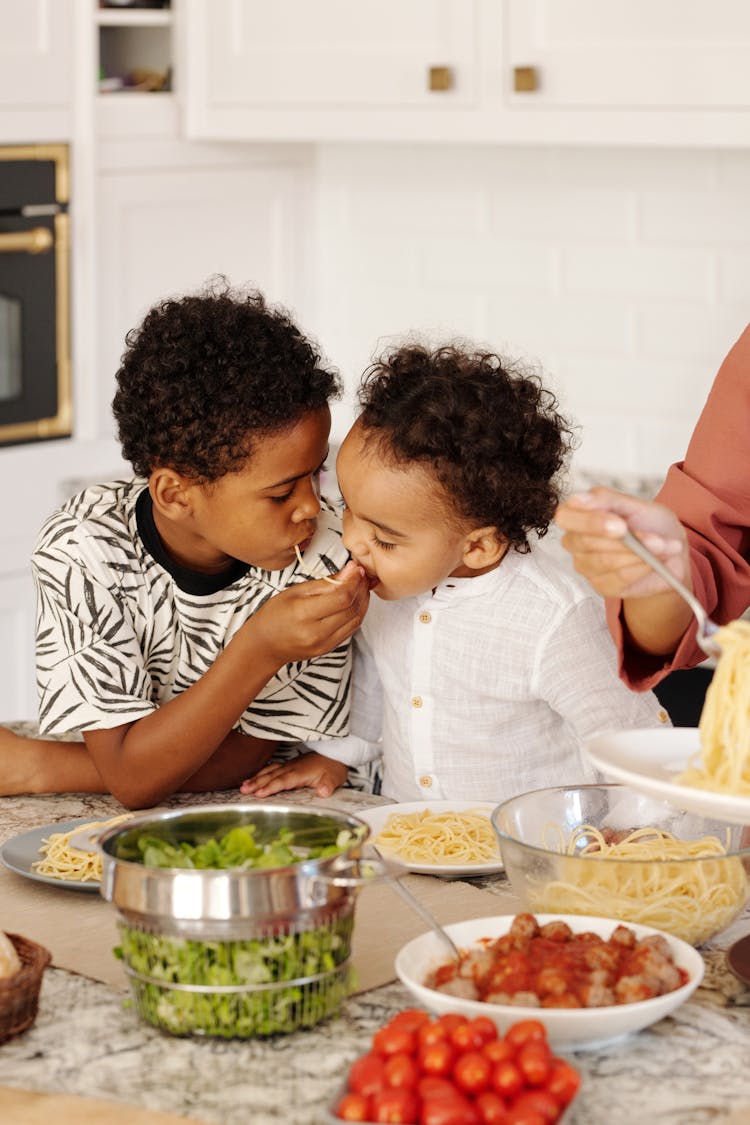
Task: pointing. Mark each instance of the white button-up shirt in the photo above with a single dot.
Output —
(489, 685)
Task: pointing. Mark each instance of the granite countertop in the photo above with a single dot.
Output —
(689, 1069)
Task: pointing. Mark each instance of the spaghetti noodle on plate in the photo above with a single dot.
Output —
(445, 838)
(70, 864)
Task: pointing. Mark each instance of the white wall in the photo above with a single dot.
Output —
(624, 273)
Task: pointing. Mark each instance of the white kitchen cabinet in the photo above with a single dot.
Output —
(631, 54)
(506, 71)
(332, 69)
(195, 212)
(36, 70)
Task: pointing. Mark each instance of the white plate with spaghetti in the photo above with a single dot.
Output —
(649, 760)
(433, 829)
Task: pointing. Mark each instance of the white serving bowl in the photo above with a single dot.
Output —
(567, 1028)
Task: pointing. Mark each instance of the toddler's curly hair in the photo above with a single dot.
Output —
(491, 433)
(205, 375)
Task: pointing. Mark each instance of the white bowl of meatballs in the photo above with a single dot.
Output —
(589, 980)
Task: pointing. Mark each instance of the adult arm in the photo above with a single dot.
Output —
(699, 525)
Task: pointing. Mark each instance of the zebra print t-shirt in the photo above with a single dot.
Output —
(118, 634)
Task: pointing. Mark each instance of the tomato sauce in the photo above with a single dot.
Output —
(549, 966)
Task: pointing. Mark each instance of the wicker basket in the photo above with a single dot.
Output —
(19, 994)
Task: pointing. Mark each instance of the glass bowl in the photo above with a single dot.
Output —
(693, 898)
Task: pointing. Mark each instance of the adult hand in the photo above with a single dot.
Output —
(593, 524)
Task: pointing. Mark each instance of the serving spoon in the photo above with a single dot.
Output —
(707, 627)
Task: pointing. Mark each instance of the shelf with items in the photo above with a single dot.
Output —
(134, 49)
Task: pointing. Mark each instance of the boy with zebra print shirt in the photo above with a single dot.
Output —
(177, 631)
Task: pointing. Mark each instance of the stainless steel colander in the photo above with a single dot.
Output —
(235, 953)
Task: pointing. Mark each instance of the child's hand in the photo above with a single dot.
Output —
(309, 771)
(313, 618)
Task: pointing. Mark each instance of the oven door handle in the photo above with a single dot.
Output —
(38, 240)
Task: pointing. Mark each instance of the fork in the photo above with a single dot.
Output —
(707, 627)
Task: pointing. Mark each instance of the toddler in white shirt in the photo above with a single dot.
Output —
(483, 662)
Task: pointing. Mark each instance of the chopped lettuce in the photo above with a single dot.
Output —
(238, 848)
(263, 964)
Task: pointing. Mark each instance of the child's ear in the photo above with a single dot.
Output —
(171, 494)
(483, 548)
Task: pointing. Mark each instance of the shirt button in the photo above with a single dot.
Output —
(663, 717)
(425, 618)
(425, 781)
(416, 701)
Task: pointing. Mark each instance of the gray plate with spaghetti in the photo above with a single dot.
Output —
(22, 851)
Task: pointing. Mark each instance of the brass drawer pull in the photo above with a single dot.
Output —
(441, 78)
(525, 79)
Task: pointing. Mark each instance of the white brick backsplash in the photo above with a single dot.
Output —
(542, 212)
(546, 324)
(639, 271)
(632, 386)
(623, 273)
(692, 332)
(695, 218)
(488, 263)
(734, 278)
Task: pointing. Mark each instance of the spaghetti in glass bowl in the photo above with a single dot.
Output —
(611, 851)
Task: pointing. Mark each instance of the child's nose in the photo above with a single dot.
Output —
(309, 504)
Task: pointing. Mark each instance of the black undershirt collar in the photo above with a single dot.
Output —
(190, 581)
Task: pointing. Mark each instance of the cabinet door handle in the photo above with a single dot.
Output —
(440, 78)
(525, 79)
(38, 240)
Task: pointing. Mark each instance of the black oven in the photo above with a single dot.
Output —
(35, 375)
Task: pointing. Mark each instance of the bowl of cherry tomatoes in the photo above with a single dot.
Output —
(452, 1070)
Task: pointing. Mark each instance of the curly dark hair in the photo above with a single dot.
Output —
(490, 432)
(205, 375)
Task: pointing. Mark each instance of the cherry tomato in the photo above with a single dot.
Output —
(398, 1107)
(498, 1051)
(432, 1033)
(401, 1071)
(451, 1020)
(448, 1111)
(523, 1116)
(390, 1040)
(353, 1107)
(411, 1019)
(563, 1082)
(471, 1072)
(485, 1027)
(491, 1108)
(436, 1058)
(533, 1060)
(467, 1037)
(367, 1075)
(506, 1079)
(431, 1087)
(537, 1101)
(524, 1031)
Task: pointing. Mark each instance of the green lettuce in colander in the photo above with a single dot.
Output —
(157, 962)
(268, 961)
